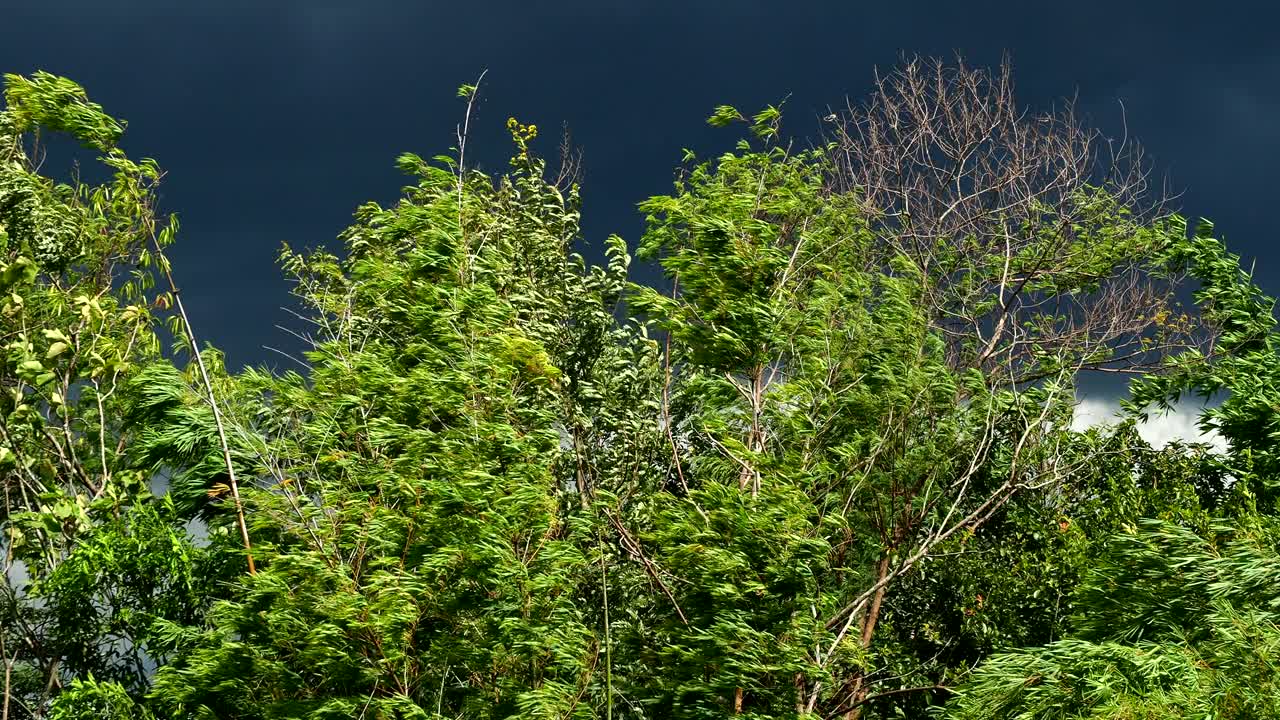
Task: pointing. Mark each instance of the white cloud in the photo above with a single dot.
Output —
(1159, 429)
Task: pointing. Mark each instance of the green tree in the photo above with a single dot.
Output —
(419, 516)
(1177, 614)
(91, 563)
(1173, 624)
(824, 474)
(823, 444)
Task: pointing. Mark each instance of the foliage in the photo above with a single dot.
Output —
(826, 472)
(1177, 617)
(92, 700)
(90, 562)
(824, 446)
(1038, 239)
(1194, 635)
(417, 530)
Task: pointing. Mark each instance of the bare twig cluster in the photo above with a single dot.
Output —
(1034, 233)
(569, 170)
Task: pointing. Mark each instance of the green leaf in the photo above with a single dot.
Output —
(724, 115)
(20, 271)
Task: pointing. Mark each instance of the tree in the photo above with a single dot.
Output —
(419, 511)
(823, 446)
(1032, 232)
(91, 563)
(1177, 618)
(824, 475)
(1194, 637)
(1014, 582)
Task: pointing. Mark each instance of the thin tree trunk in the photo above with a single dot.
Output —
(868, 632)
(8, 675)
(750, 475)
(873, 614)
(608, 638)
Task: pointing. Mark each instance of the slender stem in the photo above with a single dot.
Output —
(213, 403)
(8, 673)
(608, 641)
(440, 697)
(899, 691)
(462, 162)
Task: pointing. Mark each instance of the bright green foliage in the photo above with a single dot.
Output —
(741, 239)
(823, 446)
(1174, 625)
(1177, 618)
(838, 478)
(1244, 372)
(175, 436)
(420, 547)
(57, 104)
(89, 565)
(109, 603)
(93, 700)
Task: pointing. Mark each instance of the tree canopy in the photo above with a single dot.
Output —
(827, 469)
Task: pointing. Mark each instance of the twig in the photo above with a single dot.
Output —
(213, 401)
(634, 548)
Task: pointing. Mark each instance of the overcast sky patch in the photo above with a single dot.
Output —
(1160, 429)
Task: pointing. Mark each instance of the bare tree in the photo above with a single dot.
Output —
(569, 171)
(1036, 235)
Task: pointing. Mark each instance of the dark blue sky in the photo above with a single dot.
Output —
(276, 118)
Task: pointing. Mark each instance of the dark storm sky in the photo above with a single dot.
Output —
(275, 118)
